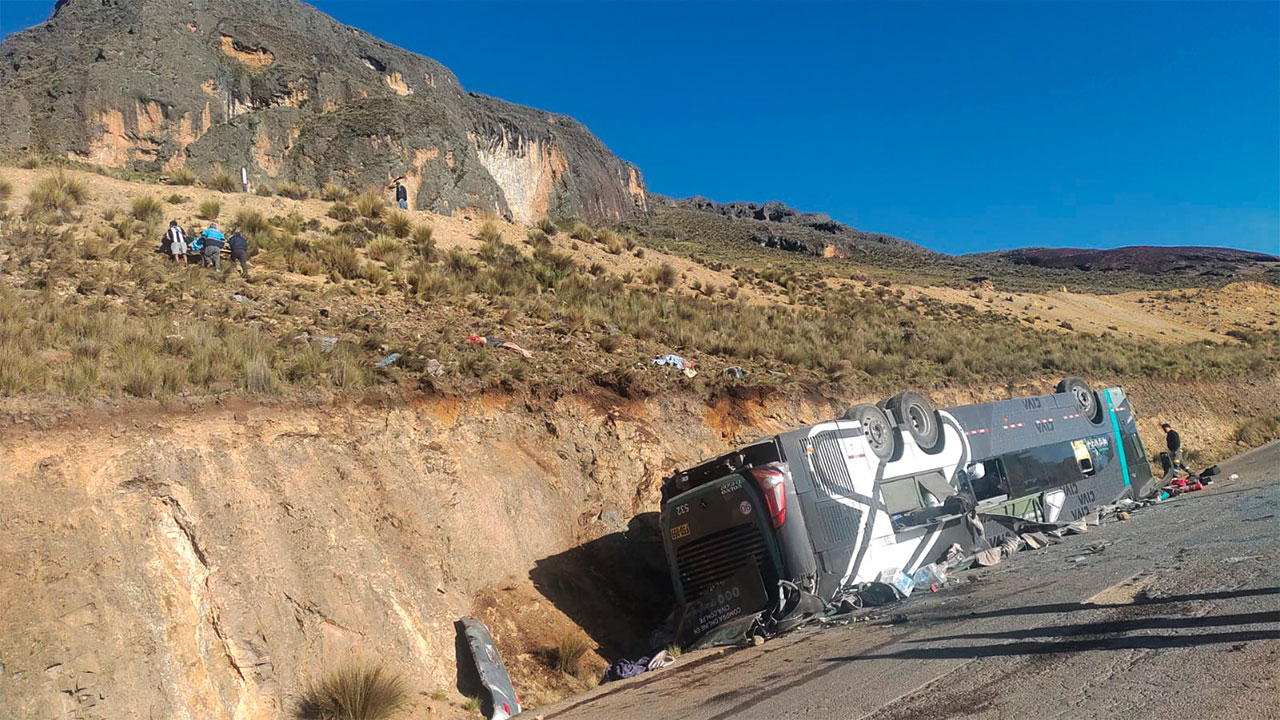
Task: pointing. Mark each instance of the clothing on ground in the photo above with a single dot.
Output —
(494, 341)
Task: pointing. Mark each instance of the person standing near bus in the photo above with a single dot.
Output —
(1173, 441)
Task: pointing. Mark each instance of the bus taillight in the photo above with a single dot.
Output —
(773, 483)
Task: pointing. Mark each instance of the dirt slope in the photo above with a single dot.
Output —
(206, 565)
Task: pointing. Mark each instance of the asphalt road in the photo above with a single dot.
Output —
(1174, 613)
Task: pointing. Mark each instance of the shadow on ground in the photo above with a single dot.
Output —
(617, 587)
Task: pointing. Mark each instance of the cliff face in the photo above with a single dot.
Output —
(207, 565)
(281, 88)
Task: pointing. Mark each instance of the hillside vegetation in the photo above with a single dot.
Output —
(88, 309)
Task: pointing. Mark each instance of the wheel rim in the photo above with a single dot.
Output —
(915, 414)
(1083, 398)
(875, 431)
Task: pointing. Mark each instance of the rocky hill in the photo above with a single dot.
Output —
(1191, 261)
(282, 89)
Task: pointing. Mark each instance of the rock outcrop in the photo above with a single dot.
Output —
(282, 89)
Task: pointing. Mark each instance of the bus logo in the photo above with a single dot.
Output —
(744, 507)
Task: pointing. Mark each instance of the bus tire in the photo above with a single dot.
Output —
(876, 428)
(1086, 399)
(916, 414)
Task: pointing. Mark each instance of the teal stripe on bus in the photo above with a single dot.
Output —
(1115, 427)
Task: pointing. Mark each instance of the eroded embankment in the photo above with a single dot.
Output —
(207, 565)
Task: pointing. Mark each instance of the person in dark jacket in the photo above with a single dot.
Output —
(1173, 441)
(239, 247)
(402, 194)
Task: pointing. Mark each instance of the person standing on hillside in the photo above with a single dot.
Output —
(402, 194)
(176, 239)
(239, 248)
(1173, 441)
(211, 253)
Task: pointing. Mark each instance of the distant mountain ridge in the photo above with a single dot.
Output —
(284, 90)
(1149, 259)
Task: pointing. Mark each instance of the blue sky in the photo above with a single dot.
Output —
(962, 126)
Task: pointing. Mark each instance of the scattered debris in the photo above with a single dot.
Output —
(1123, 515)
(899, 581)
(244, 300)
(327, 344)
(735, 372)
(434, 368)
(387, 361)
(503, 701)
(676, 362)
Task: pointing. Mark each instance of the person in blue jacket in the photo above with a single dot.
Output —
(211, 252)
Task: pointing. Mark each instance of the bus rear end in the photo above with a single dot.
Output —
(722, 545)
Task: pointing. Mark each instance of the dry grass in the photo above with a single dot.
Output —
(547, 227)
(399, 224)
(388, 250)
(6, 190)
(55, 196)
(356, 690)
(252, 223)
(292, 190)
(370, 205)
(342, 212)
(223, 181)
(333, 192)
(569, 652)
(182, 176)
(145, 208)
(489, 232)
(209, 209)
(1257, 431)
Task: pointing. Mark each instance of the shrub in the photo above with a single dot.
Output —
(582, 233)
(223, 181)
(399, 224)
(489, 232)
(251, 223)
(613, 245)
(140, 373)
(537, 238)
(262, 191)
(30, 161)
(209, 210)
(182, 176)
(547, 227)
(333, 192)
(387, 250)
(1257, 431)
(343, 259)
(175, 199)
(423, 242)
(370, 205)
(357, 690)
(6, 190)
(146, 208)
(54, 197)
(569, 652)
(342, 212)
(663, 276)
(292, 190)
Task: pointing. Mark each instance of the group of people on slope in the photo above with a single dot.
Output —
(208, 245)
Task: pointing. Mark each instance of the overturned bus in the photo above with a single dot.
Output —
(821, 510)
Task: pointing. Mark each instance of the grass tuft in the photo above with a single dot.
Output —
(569, 652)
(370, 205)
(399, 224)
(145, 208)
(209, 210)
(182, 176)
(356, 690)
(223, 181)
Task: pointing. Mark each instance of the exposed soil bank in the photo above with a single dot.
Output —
(207, 565)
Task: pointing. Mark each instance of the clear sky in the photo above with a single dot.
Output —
(961, 126)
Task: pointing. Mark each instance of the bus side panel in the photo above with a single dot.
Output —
(834, 507)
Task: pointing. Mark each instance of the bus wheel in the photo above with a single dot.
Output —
(876, 428)
(1086, 399)
(916, 414)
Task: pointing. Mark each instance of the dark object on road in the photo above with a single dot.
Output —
(827, 508)
(503, 701)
